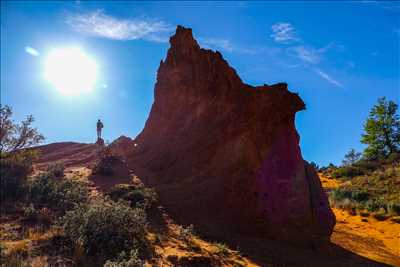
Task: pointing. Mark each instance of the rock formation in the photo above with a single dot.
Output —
(121, 146)
(225, 155)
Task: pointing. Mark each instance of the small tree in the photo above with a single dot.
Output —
(351, 157)
(14, 136)
(382, 130)
(14, 167)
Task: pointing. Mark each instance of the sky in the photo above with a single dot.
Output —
(339, 56)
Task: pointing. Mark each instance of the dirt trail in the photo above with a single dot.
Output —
(368, 237)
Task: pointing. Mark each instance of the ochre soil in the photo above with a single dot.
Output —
(365, 236)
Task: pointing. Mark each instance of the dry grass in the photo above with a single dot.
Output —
(40, 261)
(38, 234)
(20, 247)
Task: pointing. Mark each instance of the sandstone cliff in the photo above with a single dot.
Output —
(225, 155)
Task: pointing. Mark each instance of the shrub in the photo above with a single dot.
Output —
(393, 157)
(14, 169)
(56, 169)
(186, 233)
(339, 194)
(396, 219)
(134, 194)
(375, 204)
(62, 196)
(104, 227)
(346, 204)
(124, 260)
(360, 195)
(106, 165)
(221, 249)
(364, 214)
(380, 215)
(43, 190)
(348, 171)
(2, 253)
(30, 212)
(70, 193)
(394, 208)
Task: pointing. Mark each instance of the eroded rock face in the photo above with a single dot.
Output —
(121, 146)
(225, 155)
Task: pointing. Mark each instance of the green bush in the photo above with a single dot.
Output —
(364, 214)
(70, 193)
(14, 169)
(375, 204)
(186, 233)
(394, 208)
(105, 228)
(62, 195)
(134, 194)
(360, 195)
(396, 219)
(43, 190)
(339, 194)
(380, 215)
(56, 169)
(30, 212)
(222, 249)
(106, 165)
(348, 171)
(124, 260)
(367, 166)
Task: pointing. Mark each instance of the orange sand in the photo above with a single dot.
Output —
(373, 239)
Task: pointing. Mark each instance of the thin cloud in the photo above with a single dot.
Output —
(98, 24)
(225, 44)
(31, 51)
(325, 76)
(217, 43)
(306, 54)
(311, 55)
(283, 32)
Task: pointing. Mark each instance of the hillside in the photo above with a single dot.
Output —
(176, 245)
(362, 233)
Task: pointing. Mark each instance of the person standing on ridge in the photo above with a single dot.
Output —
(99, 128)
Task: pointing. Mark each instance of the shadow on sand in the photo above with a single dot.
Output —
(266, 252)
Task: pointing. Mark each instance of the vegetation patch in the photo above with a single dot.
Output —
(135, 194)
(104, 228)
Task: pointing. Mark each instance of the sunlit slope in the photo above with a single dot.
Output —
(365, 236)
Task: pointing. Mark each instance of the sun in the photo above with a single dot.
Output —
(70, 70)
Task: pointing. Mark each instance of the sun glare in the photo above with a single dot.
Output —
(70, 71)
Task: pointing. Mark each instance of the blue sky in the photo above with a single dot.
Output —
(339, 56)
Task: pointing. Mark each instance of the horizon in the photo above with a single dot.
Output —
(338, 75)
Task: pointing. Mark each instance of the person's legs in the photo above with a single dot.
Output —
(98, 133)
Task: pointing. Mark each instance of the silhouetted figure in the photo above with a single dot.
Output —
(99, 128)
